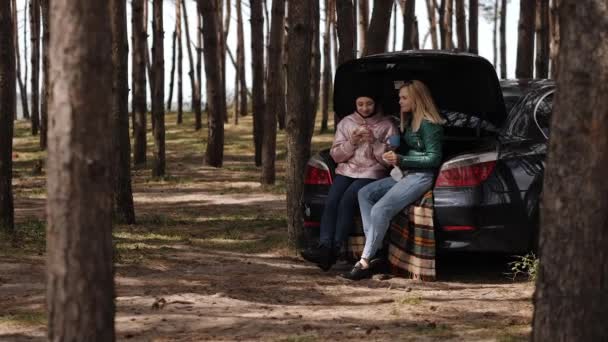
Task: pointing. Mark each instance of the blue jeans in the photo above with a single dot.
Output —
(339, 210)
(381, 200)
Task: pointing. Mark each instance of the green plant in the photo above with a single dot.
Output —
(524, 265)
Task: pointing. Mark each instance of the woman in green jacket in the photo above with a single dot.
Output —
(417, 167)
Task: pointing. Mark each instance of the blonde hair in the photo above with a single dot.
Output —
(423, 106)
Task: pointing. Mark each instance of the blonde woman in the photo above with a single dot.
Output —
(381, 200)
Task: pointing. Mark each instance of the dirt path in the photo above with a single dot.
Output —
(207, 261)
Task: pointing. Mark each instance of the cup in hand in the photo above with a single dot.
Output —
(393, 142)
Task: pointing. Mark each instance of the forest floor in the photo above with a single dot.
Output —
(208, 260)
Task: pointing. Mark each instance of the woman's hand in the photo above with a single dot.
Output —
(362, 134)
(391, 158)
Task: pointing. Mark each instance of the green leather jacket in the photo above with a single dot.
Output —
(422, 149)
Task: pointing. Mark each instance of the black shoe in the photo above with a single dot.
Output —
(323, 256)
(358, 273)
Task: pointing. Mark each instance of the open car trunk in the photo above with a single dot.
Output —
(464, 86)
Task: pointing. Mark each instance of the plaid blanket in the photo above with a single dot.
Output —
(410, 240)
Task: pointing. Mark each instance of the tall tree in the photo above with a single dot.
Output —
(461, 25)
(495, 34)
(363, 14)
(345, 13)
(326, 82)
(554, 45)
(199, 55)
(315, 61)
(44, 5)
(503, 39)
(194, 81)
(173, 59)
(431, 8)
(394, 29)
(138, 77)
(409, 18)
(379, 26)
(570, 298)
(525, 41)
(80, 273)
(542, 36)
(473, 26)
(26, 114)
(8, 97)
(216, 106)
(257, 65)
(240, 56)
(180, 88)
(275, 92)
(35, 61)
(225, 28)
(299, 125)
(22, 85)
(123, 193)
(442, 26)
(158, 97)
(449, 15)
(283, 80)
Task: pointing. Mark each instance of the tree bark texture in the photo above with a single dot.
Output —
(223, 27)
(216, 107)
(282, 110)
(257, 65)
(542, 36)
(409, 17)
(8, 95)
(180, 87)
(571, 301)
(44, 6)
(346, 31)
(449, 15)
(138, 79)
(495, 35)
(21, 84)
(199, 60)
(431, 8)
(80, 284)
(26, 114)
(363, 14)
(525, 42)
(473, 26)
(240, 56)
(326, 79)
(503, 39)
(35, 60)
(275, 95)
(315, 58)
(173, 61)
(555, 38)
(158, 97)
(299, 125)
(123, 193)
(461, 25)
(379, 26)
(194, 81)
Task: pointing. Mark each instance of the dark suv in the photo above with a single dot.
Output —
(488, 188)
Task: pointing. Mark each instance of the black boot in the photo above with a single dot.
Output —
(323, 256)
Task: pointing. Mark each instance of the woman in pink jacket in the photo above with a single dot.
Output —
(358, 146)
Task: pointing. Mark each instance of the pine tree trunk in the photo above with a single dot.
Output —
(180, 95)
(473, 26)
(299, 125)
(555, 38)
(363, 14)
(44, 5)
(525, 42)
(158, 72)
(495, 36)
(26, 114)
(442, 26)
(570, 299)
(409, 15)
(461, 25)
(431, 8)
(325, 85)
(172, 74)
(275, 98)
(379, 26)
(449, 14)
(282, 109)
(224, 27)
(216, 107)
(8, 98)
(542, 34)
(394, 29)
(22, 85)
(236, 101)
(199, 61)
(267, 38)
(503, 39)
(138, 76)
(123, 194)
(315, 65)
(346, 31)
(194, 81)
(80, 284)
(242, 81)
(147, 57)
(257, 58)
(35, 60)
(334, 34)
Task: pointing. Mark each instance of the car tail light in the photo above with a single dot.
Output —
(317, 173)
(458, 228)
(467, 170)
